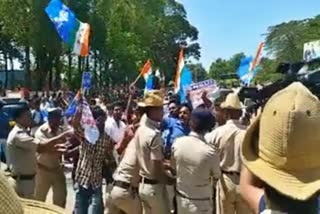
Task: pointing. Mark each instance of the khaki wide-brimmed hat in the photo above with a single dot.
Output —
(10, 203)
(282, 145)
(232, 102)
(153, 98)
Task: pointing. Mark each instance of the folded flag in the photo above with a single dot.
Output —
(183, 77)
(87, 122)
(71, 30)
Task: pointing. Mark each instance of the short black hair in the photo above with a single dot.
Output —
(117, 104)
(202, 120)
(187, 105)
(20, 111)
(98, 112)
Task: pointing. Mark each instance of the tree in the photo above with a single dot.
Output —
(199, 72)
(222, 66)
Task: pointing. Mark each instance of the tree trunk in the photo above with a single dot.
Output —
(69, 68)
(12, 76)
(79, 65)
(28, 80)
(5, 85)
(95, 80)
(57, 83)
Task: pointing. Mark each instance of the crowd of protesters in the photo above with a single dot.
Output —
(160, 156)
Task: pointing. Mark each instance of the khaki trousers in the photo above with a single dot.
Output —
(122, 200)
(187, 206)
(25, 188)
(154, 199)
(45, 179)
(228, 198)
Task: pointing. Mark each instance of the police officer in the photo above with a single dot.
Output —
(228, 139)
(124, 194)
(197, 164)
(149, 145)
(50, 169)
(22, 150)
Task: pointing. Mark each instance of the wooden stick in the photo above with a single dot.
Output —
(136, 80)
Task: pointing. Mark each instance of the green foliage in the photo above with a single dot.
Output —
(199, 73)
(124, 34)
(222, 67)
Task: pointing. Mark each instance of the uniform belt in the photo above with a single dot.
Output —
(148, 181)
(231, 173)
(23, 177)
(124, 185)
(48, 168)
(189, 198)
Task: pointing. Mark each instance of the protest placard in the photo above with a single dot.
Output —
(195, 91)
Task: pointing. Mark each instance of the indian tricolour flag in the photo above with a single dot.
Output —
(183, 77)
(69, 28)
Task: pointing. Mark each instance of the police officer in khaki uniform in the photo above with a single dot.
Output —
(124, 195)
(50, 169)
(228, 139)
(22, 149)
(149, 145)
(197, 166)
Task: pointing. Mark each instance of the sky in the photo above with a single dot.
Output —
(227, 27)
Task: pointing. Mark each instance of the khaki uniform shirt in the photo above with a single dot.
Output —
(196, 163)
(128, 169)
(49, 160)
(228, 139)
(22, 151)
(149, 147)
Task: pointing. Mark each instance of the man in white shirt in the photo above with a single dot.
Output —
(115, 127)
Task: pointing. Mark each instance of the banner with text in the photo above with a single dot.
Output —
(195, 91)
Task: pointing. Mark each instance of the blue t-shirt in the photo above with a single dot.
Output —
(172, 128)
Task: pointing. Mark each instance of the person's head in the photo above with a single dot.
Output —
(153, 105)
(54, 118)
(36, 103)
(185, 113)
(22, 116)
(173, 108)
(117, 111)
(202, 121)
(100, 116)
(231, 107)
(137, 113)
(281, 146)
(93, 102)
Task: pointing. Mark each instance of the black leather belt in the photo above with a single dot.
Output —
(124, 185)
(23, 177)
(148, 181)
(231, 173)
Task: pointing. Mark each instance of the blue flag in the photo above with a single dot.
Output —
(185, 80)
(72, 108)
(64, 21)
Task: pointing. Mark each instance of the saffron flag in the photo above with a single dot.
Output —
(183, 77)
(70, 30)
(146, 72)
(249, 67)
(257, 58)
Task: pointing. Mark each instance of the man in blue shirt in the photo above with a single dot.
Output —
(175, 127)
